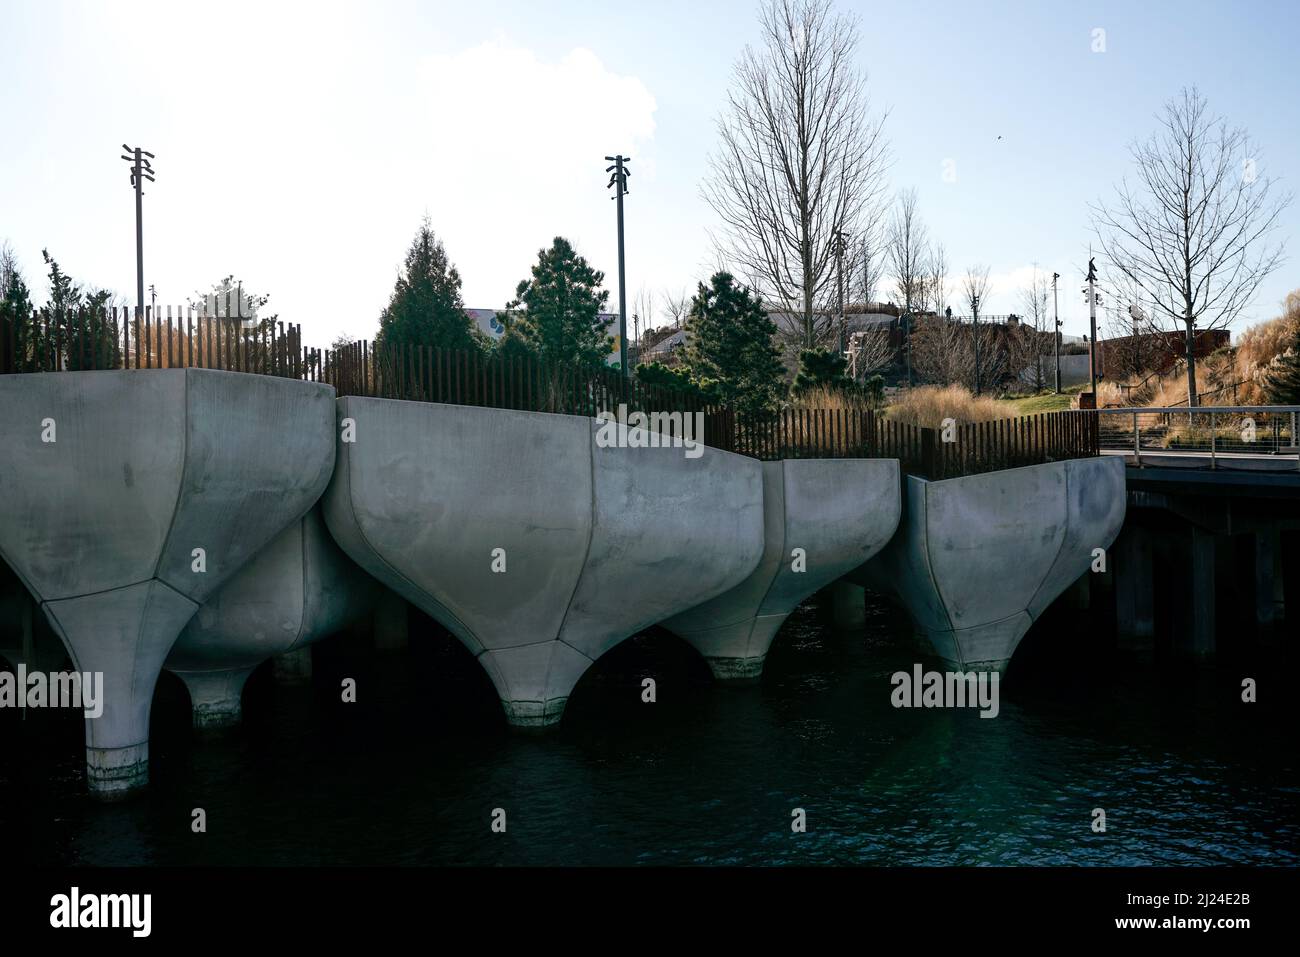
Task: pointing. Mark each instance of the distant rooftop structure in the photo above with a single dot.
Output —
(665, 346)
(490, 325)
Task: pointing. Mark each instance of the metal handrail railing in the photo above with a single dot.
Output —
(1215, 430)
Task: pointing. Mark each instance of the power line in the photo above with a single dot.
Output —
(618, 179)
(141, 170)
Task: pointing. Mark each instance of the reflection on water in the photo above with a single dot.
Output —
(707, 775)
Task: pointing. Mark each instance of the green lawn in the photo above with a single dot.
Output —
(1044, 402)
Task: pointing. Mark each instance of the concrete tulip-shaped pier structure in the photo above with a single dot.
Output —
(977, 559)
(130, 497)
(822, 519)
(298, 589)
(536, 546)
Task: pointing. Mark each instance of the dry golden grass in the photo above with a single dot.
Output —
(929, 405)
(1228, 377)
(824, 398)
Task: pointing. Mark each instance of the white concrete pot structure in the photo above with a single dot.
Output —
(837, 513)
(977, 559)
(596, 543)
(104, 524)
(298, 589)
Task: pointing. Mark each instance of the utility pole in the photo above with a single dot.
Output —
(907, 342)
(141, 170)
(618, 180)
(1092, 324)
(975, 308)
(841, 245)
(1056, 334)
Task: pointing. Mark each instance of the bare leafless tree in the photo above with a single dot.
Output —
(869, 352)
(801, 157)
(909, 252)
(975, 292)
(937, 279)
(1030, 342)
(8, 265)
(872, 252)
(643, 310)
(975, 288)
(1194, 230)
(942, 351)
(676, 305)
(1134, 345)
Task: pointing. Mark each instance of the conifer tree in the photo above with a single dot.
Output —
(730, 350)
(426, 307)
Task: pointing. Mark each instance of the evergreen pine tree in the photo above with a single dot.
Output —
(560, 318)
(426, 307)
(822, 369)
(80, 329)
(730, 350)
(16, 313)
(677, 378)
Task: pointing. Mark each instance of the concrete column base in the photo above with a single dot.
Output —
(1134, 590)
(124, 634)
(848, 606)
(390, 623)
(292, 667)
(737, 671)
(115, 773)
(216, 697)
(534, 716)
(735, 653)
(982, 648)
(999, 665)
(534, 681)
(1270, 603)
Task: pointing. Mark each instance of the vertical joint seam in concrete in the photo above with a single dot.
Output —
(180, 486)
(929, 568)
(785, 537)
(1060, 549)
(377, 555)
(302, 565)
(586, 554)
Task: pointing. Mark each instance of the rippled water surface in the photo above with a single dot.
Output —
(706, 775)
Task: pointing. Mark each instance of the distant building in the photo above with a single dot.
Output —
(1156, 352)
(666, 349)
(490, 325)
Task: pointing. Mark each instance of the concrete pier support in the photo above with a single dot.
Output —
(978, 559)
(848, 606)
(822, 518)
(293, 667)
(540, 541)
(297, 590)
(1270, 601)
(215, 696)
(1134, 589)
(1078, 596)
(391, 622)
(1199, 631)
(130, 498)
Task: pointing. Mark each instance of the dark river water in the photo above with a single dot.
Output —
(411, 773)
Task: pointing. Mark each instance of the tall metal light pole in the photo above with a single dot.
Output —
(618, 179)
(1092, 325)
(1056, 334)
(141, 170)
(975, 331)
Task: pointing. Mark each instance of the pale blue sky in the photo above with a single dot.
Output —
(298, 145)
